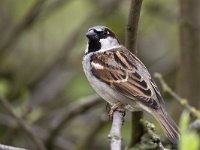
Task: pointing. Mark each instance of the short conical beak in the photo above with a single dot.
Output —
(91, 35)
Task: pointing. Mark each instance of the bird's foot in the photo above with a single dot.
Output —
(116, 107)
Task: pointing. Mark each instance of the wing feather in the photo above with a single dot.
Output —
(125, 73)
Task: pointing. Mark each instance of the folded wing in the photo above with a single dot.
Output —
(125, 73)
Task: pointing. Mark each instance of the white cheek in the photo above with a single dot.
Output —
(108, 43)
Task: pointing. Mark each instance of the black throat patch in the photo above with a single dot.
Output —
(94, 45)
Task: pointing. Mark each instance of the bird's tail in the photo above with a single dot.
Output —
(168, 125)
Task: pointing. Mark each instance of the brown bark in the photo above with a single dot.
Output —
(189, 77)
(132, 25)
(131, 44)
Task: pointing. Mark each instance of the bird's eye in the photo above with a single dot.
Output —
(105, 32)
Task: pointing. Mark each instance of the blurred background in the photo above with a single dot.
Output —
(42, 43)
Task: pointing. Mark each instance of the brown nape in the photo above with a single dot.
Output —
(112, 34)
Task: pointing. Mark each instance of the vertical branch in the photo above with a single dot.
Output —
(131, 44)
(132, 25)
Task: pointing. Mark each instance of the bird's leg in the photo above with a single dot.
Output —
(116, 107)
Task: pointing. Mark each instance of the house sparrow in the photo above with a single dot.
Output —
(121, 79)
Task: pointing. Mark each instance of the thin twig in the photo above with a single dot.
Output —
(182, 101)
(27, 128)
(6, 147)
(115, 132)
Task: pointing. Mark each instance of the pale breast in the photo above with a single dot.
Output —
(101, 88)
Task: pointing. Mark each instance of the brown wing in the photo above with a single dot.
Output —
(125, 73)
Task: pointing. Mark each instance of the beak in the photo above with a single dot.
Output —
(91, 35)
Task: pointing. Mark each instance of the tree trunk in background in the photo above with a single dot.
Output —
(189, 77)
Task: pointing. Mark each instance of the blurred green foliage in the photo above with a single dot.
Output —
(4, 87)
(189, 140)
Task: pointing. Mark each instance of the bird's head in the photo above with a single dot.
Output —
(100, 38)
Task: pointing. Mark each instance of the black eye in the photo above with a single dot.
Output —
(105, 32)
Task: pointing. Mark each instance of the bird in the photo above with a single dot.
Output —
(121, 79)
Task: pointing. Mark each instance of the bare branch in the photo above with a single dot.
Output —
(182, 101)
(5, 147)
(27, 128)
(132, 25)
(115, 132)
